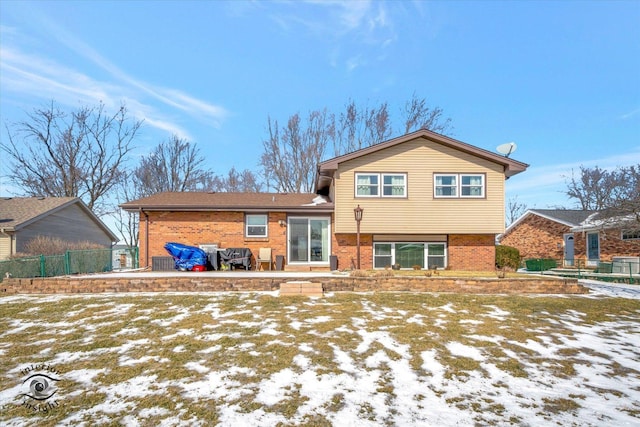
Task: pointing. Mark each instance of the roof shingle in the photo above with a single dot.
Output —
(15, 211)
(203, 201)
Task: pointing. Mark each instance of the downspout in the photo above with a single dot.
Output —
(146, 237)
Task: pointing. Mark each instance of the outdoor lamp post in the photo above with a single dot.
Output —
(357, 212)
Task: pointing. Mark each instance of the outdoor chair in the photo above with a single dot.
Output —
(264, 256)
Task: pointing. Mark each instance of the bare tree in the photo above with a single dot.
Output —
(625, 197)
(78, 154)
(174, 165)
(615, 193)
(127, 223)
(361, 127)
(291, 154)
(592, 189)
(515, 209)
(417, 115)
(245, 182)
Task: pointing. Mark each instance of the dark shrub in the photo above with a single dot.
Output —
(47, 245)
(507, 257)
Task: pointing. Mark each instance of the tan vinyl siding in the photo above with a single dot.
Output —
(5, 246)
(420, 212)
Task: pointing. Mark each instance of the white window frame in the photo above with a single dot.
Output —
(459, 186)
(425, 253)
(247, 225)
(380, 186)
(482, 186)
(376, 186)
(383, 185)
(630, 235)
(454, 186)
(308, 239)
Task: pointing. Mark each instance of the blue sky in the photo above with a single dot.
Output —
(561, 79)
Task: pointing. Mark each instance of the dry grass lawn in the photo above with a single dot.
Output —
(360, 359)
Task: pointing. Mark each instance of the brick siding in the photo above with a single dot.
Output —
(226, 229)
(472, 252)
(539, 237)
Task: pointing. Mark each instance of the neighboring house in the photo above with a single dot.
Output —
(68, 218)
(427, 200)
(610, 238)
(546, 233)
(570, 236)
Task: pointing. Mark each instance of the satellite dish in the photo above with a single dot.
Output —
(506, 149)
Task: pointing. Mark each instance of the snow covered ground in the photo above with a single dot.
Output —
(360, 360)
(612, 289)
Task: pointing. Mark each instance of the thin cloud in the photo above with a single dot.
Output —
(630, 114)
(540, 179)
(361, 29)
(43, 78)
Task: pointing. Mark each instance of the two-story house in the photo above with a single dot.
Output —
(427, 201)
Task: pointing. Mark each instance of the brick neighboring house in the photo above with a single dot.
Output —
(569, 236)
(428, 200)
(546, 233)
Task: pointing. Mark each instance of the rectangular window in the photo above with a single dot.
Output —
(435, 255)
(382, 255)
(471, 185)
(369, 185)
(394, 185)
(459, 185)
(446, 186)
(366, 185)
(256, 225)
(630, 234)
(409, 254)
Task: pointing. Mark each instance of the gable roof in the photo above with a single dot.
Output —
(511, 167)
(568, 217)
(211, 201)
(19, 212)
(596, 221)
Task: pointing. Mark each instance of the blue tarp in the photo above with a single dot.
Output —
(185, 256)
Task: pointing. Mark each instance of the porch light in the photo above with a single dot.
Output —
(357, 212)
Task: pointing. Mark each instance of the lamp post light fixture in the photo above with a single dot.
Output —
(357, 212)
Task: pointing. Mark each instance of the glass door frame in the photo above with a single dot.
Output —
(593, 258)
(290, 246)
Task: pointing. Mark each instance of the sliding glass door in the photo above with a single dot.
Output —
(309, 240)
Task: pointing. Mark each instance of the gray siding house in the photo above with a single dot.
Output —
(66, 218)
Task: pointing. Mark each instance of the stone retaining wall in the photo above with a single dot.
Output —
(330, 284)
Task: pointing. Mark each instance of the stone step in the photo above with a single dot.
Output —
(304, 288)
(297, 268)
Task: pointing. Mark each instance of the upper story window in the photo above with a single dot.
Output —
(381, 185)
(630, 234)
(367, 185)
(446, 186)
(471, 185)
(459, 185)
(256, 225)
